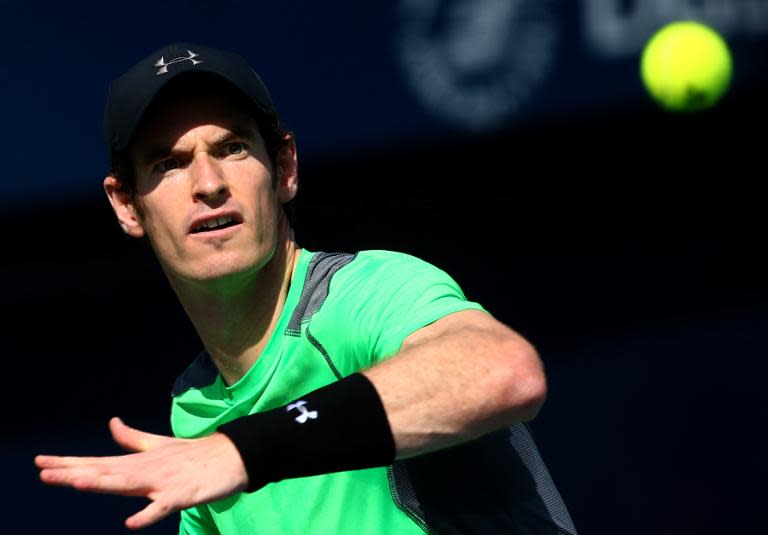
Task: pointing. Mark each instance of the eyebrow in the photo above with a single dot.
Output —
(237, 132)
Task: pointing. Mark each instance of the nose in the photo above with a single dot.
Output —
(208, 179)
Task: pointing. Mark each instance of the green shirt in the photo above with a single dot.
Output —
(342, 313)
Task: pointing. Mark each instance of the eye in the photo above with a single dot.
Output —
(233, 149)
(167, 165)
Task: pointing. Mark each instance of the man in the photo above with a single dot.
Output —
(337, 393)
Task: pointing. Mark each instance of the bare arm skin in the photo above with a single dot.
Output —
(173, 473)
(461, 377)
(454, 380)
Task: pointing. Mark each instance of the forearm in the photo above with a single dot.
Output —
(459, 378)
(458, 386)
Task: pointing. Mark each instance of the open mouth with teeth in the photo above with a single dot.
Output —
(216, 223)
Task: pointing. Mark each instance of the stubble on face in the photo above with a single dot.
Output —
(199, 154)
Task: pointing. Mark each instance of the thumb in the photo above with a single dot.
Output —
(134, 440)
(152, 513)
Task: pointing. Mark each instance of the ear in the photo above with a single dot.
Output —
(123, 207)
(287, 173)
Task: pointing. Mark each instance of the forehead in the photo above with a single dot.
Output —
(184, 106)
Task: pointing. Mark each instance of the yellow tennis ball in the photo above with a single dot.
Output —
(686, 66)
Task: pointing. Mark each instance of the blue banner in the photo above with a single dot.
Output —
(347, 76)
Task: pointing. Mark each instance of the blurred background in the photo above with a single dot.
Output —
(509, 142)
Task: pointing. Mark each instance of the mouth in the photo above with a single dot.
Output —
(213, 224)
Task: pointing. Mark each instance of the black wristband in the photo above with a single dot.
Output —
(339, 427)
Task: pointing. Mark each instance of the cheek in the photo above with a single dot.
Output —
(269, 208)
(160, 219)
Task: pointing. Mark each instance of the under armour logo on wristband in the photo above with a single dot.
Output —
(305, 414)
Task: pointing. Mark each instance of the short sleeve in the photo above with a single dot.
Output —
(422, 295)
(386, 296)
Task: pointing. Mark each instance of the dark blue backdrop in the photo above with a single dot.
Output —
(349, 77)
(509, 142)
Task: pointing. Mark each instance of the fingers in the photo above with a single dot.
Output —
(108, 479)
(173, 473)
(129, 438)
(56, 461)
(61, 477)
(154, 512)
(93, 479)
(134, 440)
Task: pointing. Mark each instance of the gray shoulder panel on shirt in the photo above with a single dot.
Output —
(495, 485)
(201, 373)
(320, 271)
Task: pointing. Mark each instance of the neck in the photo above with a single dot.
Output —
(235, 318)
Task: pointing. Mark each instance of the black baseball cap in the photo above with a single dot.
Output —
(131, 94)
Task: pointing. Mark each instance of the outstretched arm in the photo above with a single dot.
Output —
(173, 473)
(461, 377)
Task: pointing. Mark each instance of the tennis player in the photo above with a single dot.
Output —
(337, 393)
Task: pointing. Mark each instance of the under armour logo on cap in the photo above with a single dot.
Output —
(305, 414)
(131, 94)
(165, 64)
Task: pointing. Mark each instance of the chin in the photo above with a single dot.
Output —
(228, 267)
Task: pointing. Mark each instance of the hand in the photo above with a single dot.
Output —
(174, 473)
